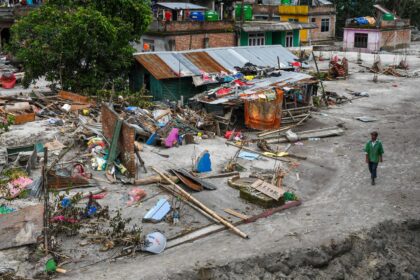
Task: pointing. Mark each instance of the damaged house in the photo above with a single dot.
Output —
(226, 79)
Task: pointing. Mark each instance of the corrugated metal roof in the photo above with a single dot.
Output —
(164, 65)
(180, 6)
(261, 56)
(325, 2)
(254, 26)
(203, 61)
(156, 66)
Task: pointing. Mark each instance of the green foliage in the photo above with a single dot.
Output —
(84, 45)
(6, 121)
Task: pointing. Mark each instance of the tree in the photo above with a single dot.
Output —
(84, 45)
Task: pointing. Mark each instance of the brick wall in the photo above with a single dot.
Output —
(126, 140)
(196, 41)
(394, 39)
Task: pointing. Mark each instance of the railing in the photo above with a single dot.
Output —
(179, 26)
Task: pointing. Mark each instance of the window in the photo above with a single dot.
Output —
(206, 42)
(171, 44)
(256, 39)
(289, 39)
(313, 19)
(360, 40)
(148, 45)
(325, 25)
(293, 20)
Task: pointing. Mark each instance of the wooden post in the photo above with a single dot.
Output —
(320, 81)
(201, 205)
(46, 195)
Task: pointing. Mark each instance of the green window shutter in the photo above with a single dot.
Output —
(244, 38)
(283, 38)
(268, 38)
(296, 38)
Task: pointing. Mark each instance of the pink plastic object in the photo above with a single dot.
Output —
(172, 138)
(136, 194)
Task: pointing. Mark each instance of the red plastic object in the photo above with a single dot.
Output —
(8, 81)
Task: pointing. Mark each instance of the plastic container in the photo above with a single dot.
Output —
(197, 16)
(211, 16)
(388, 17)
(285, 2)
(247, 12)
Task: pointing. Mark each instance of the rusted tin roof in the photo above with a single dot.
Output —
(172, 64)
(156, 66)
(204, 62)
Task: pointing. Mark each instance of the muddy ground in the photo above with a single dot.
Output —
(345, 228)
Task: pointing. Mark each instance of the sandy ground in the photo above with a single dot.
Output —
(334, 184)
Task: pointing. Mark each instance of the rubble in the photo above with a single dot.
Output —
(95, 144)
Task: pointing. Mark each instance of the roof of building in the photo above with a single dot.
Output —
(166, 65)
(324, 2)
(252, 26)
(180, 6)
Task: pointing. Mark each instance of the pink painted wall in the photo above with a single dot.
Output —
(374, 39)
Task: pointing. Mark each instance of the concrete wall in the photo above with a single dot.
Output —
(316, 34)
(373, 39)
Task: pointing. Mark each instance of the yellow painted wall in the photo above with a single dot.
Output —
(295, 12)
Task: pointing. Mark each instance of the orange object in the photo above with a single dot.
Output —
(146, 47)
(262, 114)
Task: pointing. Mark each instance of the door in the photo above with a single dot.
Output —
(289, 39)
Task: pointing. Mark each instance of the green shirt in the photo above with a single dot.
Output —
(374, 151)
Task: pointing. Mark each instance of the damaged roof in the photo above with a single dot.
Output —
(167, 65)
(253, 26)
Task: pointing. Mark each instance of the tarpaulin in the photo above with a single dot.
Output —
(263, 114)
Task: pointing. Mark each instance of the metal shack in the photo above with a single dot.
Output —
(174, 75)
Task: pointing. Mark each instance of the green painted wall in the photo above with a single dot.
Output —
(171, 89)
(244, 38)
(268, 37)
(296, 38)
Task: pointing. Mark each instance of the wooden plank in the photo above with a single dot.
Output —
(202, 206)
(268, 189)
(73, 97)
(236, 214)
(206, 231)
(21, 227)
(188, 182)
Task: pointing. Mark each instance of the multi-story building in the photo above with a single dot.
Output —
(322, 13)
(178, 26)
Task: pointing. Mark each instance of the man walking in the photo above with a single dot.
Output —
(374, 152)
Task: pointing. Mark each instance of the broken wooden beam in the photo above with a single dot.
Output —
(202, 206)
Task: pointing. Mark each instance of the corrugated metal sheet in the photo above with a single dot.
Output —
(156, 66)
(204, 62)
(180, 6)
(165, 65)
(261, 56)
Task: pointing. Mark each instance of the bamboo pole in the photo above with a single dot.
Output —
(201, 205)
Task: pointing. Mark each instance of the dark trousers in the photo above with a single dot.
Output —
(372, 169)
